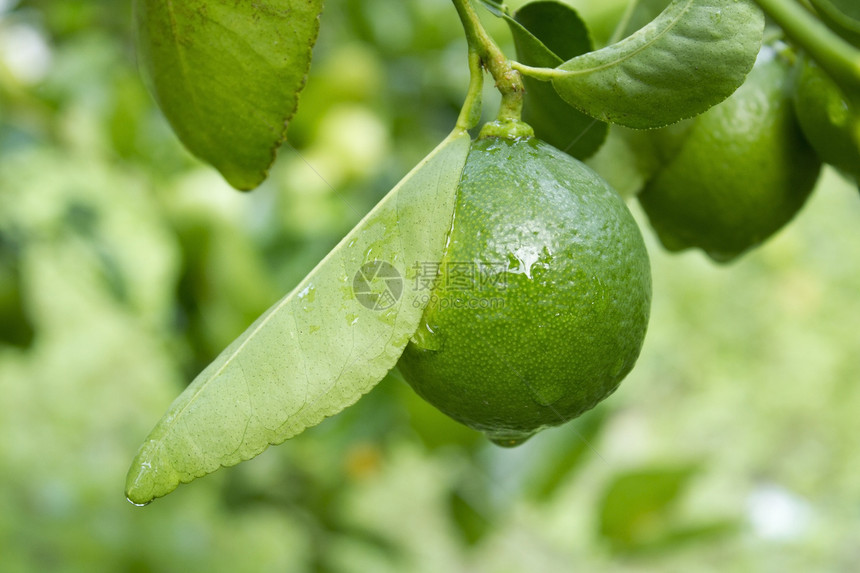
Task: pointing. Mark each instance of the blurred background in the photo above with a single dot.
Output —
(126, 266)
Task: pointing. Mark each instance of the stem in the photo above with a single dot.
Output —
(541, 74)
(470, 115)
(836, 56)
(509, 82)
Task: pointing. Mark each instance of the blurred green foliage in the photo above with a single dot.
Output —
(125, 266)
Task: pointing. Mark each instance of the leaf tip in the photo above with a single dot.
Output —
(244, 179)
(147, 479)
(138, 490)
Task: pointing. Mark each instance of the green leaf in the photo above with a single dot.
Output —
(545, 34)
(558, 29)
(472, 524)
(637, 506)
(691, 57)
(843, 16)
(227, 75)
(496, 7)
(16, 327)
(318, 349)
(566, 451)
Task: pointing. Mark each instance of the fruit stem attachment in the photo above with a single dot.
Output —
(509, 82)
(836, 56)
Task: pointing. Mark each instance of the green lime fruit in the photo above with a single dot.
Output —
(828, 120)
(542, 298)
(735, 175)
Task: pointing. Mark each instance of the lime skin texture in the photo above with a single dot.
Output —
(556, 313)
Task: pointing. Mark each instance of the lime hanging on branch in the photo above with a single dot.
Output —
(558, 287)
(555, 311)
(735, 175)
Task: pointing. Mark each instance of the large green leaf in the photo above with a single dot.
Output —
(691, 57)
(227, 75)
(545, 34)
(317, 350)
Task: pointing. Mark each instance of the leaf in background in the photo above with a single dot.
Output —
(472, 524)
(227, 75)
(626, 160)
(691, 57)
(546, 34)
(318, 349)
(843, 16)
(568, 450)
(496, 7)
(639, 14)
(551, 28)
(15, 326)
(636, 508)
